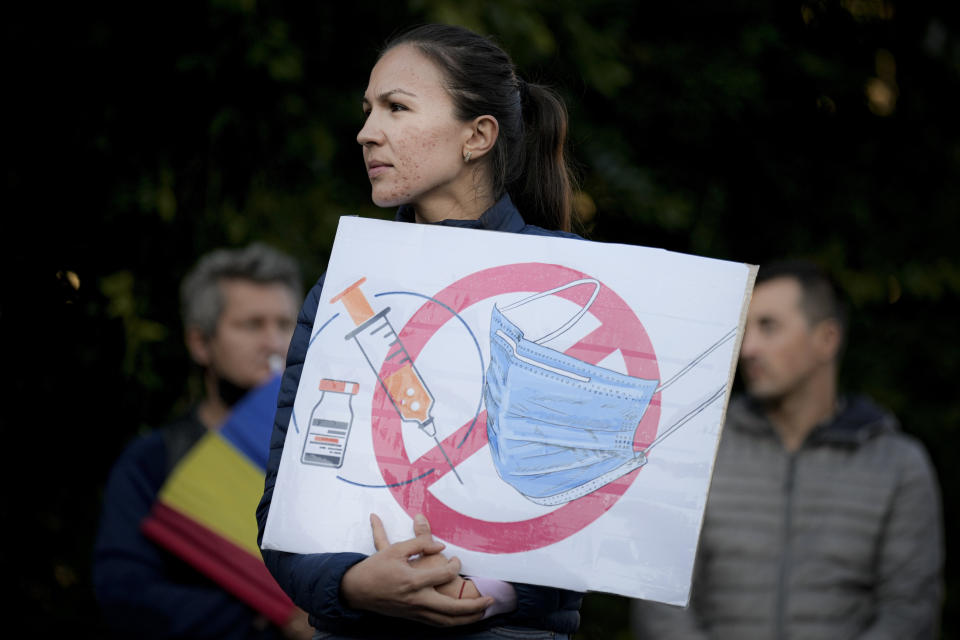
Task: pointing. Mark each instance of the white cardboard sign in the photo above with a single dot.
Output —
(552, 405)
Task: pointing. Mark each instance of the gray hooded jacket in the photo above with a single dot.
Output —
(842, 539)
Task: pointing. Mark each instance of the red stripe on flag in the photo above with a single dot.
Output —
(230, 566)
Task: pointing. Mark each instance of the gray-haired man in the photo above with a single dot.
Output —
(239, 309)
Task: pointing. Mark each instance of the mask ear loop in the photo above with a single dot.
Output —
(569, 323)
(703, 405)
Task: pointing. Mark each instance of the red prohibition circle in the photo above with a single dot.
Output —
(620, 329)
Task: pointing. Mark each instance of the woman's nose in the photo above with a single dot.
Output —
(368, 134)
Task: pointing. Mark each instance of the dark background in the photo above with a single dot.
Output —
(139, 136)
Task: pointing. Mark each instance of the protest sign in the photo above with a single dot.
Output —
(552, 405)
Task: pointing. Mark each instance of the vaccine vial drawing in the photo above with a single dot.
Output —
(330, 422)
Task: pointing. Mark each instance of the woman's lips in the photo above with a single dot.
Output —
(375, 169)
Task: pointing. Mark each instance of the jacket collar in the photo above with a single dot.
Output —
(857, 420)
(502, 216)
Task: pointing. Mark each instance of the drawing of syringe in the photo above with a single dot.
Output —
(378, 342)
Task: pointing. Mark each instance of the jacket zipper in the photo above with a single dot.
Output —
(780, 619)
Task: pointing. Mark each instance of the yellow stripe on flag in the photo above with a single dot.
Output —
(215, 485)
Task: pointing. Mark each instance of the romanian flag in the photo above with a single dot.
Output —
(206, 510)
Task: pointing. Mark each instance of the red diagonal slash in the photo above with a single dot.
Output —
(433, 459)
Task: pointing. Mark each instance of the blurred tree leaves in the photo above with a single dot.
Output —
(118, 288)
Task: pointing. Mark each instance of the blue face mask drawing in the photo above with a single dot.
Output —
(559, 428)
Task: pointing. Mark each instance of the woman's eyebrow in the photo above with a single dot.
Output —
(386, 94)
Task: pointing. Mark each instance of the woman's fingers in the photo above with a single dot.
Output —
(423, 543)
(422, 528)
(390, 583)
(380, 540)
(431, 571)
(420, 525)
(440, 610)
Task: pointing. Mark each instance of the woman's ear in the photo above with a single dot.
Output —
(482, 134)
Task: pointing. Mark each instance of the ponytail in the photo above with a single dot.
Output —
(544, 189)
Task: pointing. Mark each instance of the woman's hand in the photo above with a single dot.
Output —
(459, 587)
(390, 583)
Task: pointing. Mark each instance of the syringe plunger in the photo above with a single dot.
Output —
(356, 303)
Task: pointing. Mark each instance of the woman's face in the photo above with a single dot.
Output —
(412, 143)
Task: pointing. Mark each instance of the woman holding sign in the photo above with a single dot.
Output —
(452, 137)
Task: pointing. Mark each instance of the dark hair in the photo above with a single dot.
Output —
(201, 299)
(527, 160)
(821, 297)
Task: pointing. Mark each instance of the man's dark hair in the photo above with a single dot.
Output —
(201, 300)
(821, 297)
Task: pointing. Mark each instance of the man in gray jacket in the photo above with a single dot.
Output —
(823, 519)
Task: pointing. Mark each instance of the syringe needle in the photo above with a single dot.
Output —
(452, 468)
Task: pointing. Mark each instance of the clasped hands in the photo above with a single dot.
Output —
(412, 579)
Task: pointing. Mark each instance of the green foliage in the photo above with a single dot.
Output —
(124, 305)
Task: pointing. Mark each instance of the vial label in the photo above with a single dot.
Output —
(326, 442)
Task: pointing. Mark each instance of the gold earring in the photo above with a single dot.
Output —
(466, 158)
